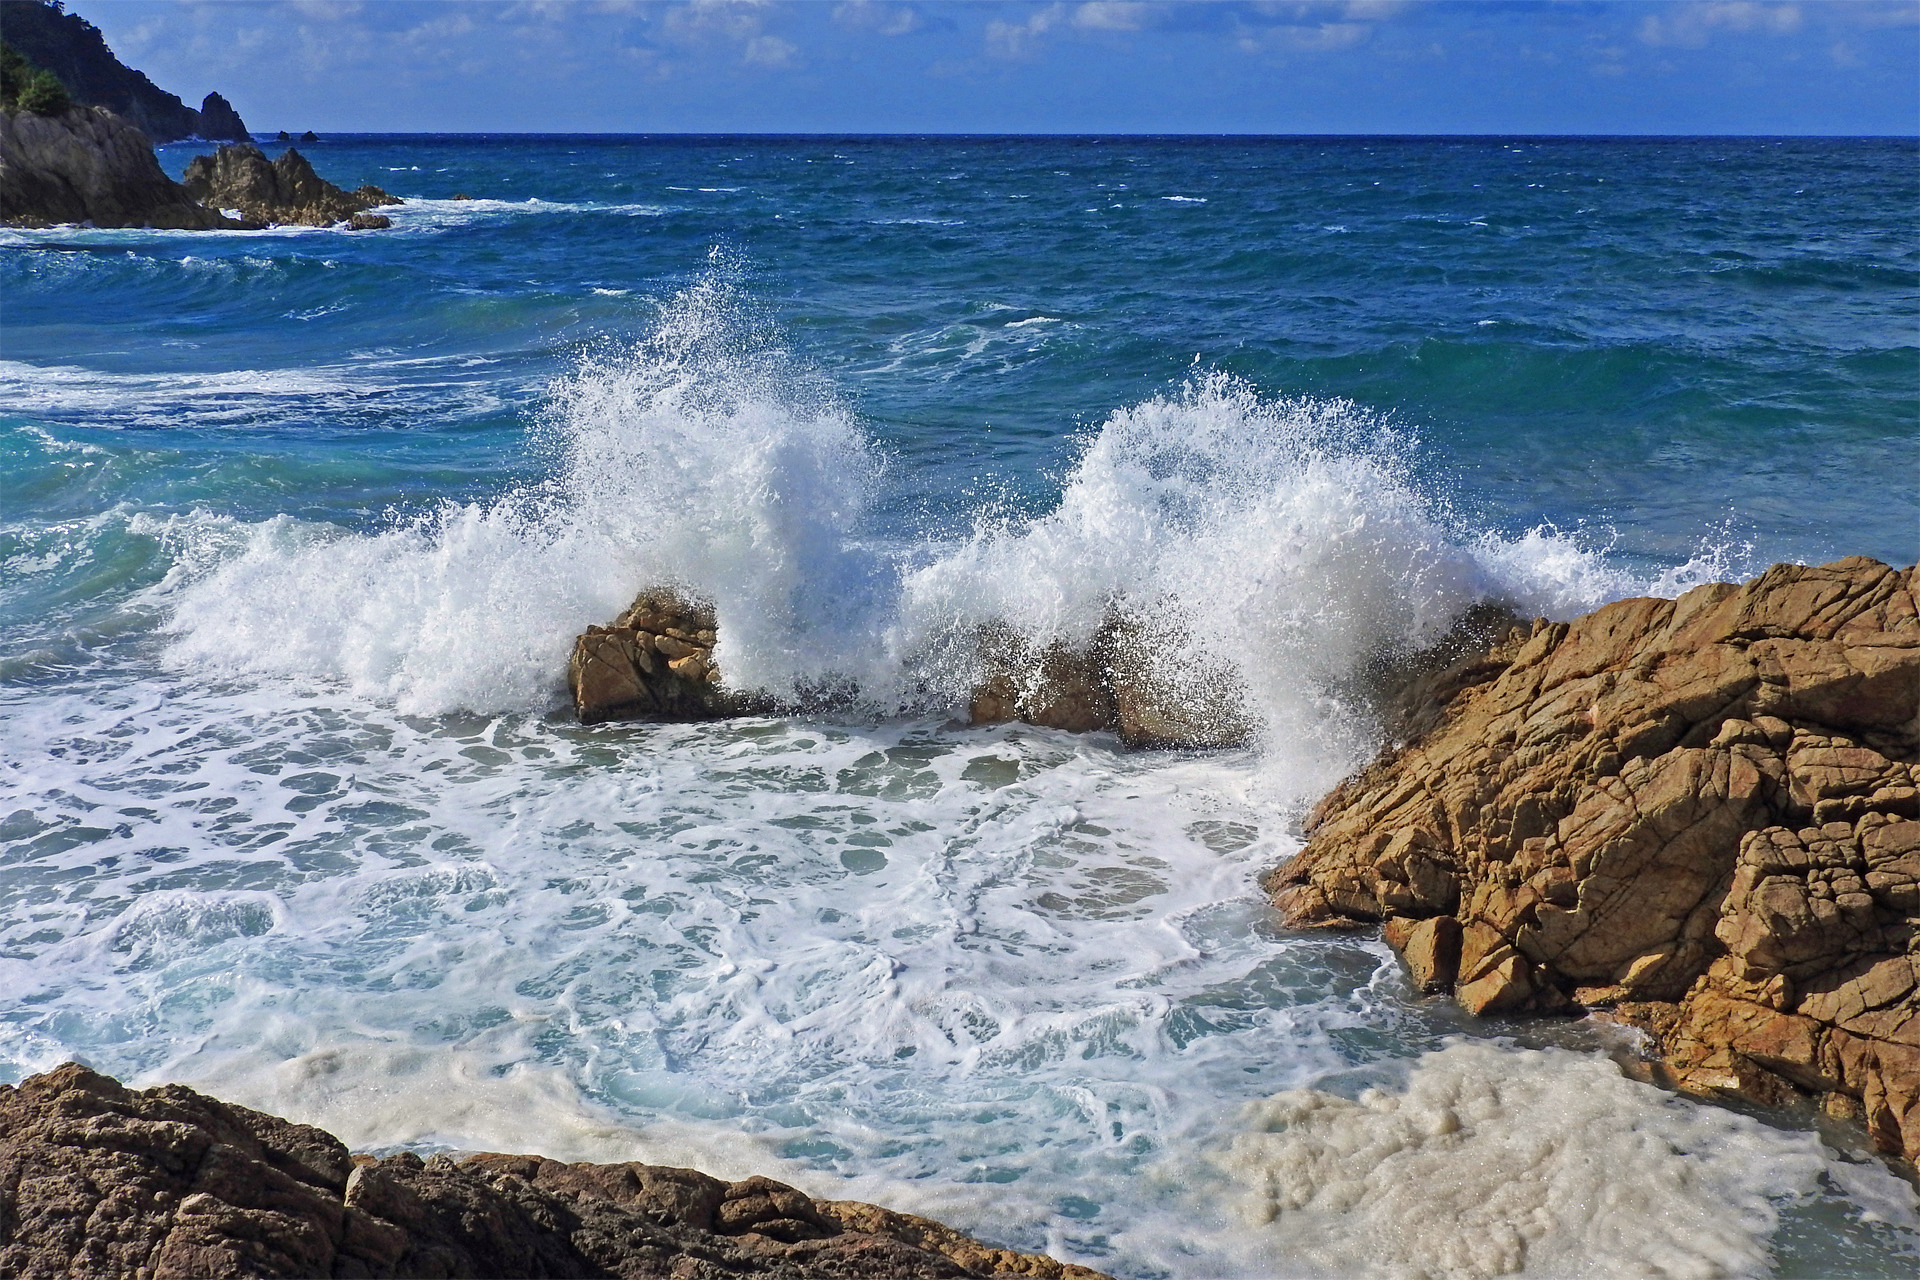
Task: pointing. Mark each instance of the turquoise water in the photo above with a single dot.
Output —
(295, 528)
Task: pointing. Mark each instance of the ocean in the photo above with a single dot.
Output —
(297, 526)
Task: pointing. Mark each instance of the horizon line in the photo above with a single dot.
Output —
(272, 135)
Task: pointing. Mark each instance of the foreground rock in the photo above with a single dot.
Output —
(285, 191)
(88, 165)
(98, 1180)
(654, 663)
(1697, 813)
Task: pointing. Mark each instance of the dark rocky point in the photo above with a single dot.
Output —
(88, 165)
(169, 1184)
(282, 191)
(74, 50)
(219, 122)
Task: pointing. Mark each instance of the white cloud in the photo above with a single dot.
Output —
(1690, 25)
(1020, 39)
(769, 51)
(882, 18)
(1114, 15)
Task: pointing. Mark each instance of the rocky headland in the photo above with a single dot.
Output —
(169, 1184)
(86, 164)
(74, 50)
(1696, 816)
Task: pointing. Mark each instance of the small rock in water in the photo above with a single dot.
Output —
(284, 191)
(1138, 678)
(654, 663)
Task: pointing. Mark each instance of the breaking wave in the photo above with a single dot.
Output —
(1284, 539)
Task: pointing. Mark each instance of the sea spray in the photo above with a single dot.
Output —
(689, 459)
(1273, 543)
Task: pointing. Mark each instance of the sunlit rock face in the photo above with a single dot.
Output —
(1700, 813)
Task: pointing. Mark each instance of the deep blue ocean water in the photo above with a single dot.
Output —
(296, 526)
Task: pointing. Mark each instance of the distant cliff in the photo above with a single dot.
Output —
(74, 50)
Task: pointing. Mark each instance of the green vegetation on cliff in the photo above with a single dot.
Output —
(25, 87)
(76, 55)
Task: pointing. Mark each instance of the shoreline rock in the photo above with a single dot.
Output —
(279, 192)
(169, 1184)
(1697, 816)
(88, 165)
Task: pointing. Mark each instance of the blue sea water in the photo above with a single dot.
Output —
(296, 527)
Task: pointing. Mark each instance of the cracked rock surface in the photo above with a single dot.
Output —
(100, 1180)
(1700, 814)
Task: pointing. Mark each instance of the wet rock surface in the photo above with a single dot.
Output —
(100, 1180)
(655, 662)
(1699, 814)
(1135, 679)
(89, 165)
(282, 191)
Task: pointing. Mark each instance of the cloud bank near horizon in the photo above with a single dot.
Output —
(1100, 66)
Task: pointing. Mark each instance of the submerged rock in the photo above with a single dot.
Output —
(100, 1180)
(654, 663)
(284, 191)
(1136, 678)
(1700, 814)
(86, 164)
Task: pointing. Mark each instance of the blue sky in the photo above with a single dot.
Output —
(1189, 66)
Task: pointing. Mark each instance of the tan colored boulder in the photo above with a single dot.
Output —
(1432, 952)
(654, 663)
(1701, 812)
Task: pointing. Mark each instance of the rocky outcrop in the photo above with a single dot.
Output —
(654, 663)
(281, 191)
(88, 165)
(219, 122)
(74, 50)
(1131, 680)
(166, 1183)
(1699, 814)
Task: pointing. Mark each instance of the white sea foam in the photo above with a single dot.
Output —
(1494, 1161)
(240, 396)
(1011, 978)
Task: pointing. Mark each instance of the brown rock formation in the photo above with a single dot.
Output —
(1134, 680)
(1698, 812)
(654, 663)
(168, 1184)
(285, 191)
(88, 165)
